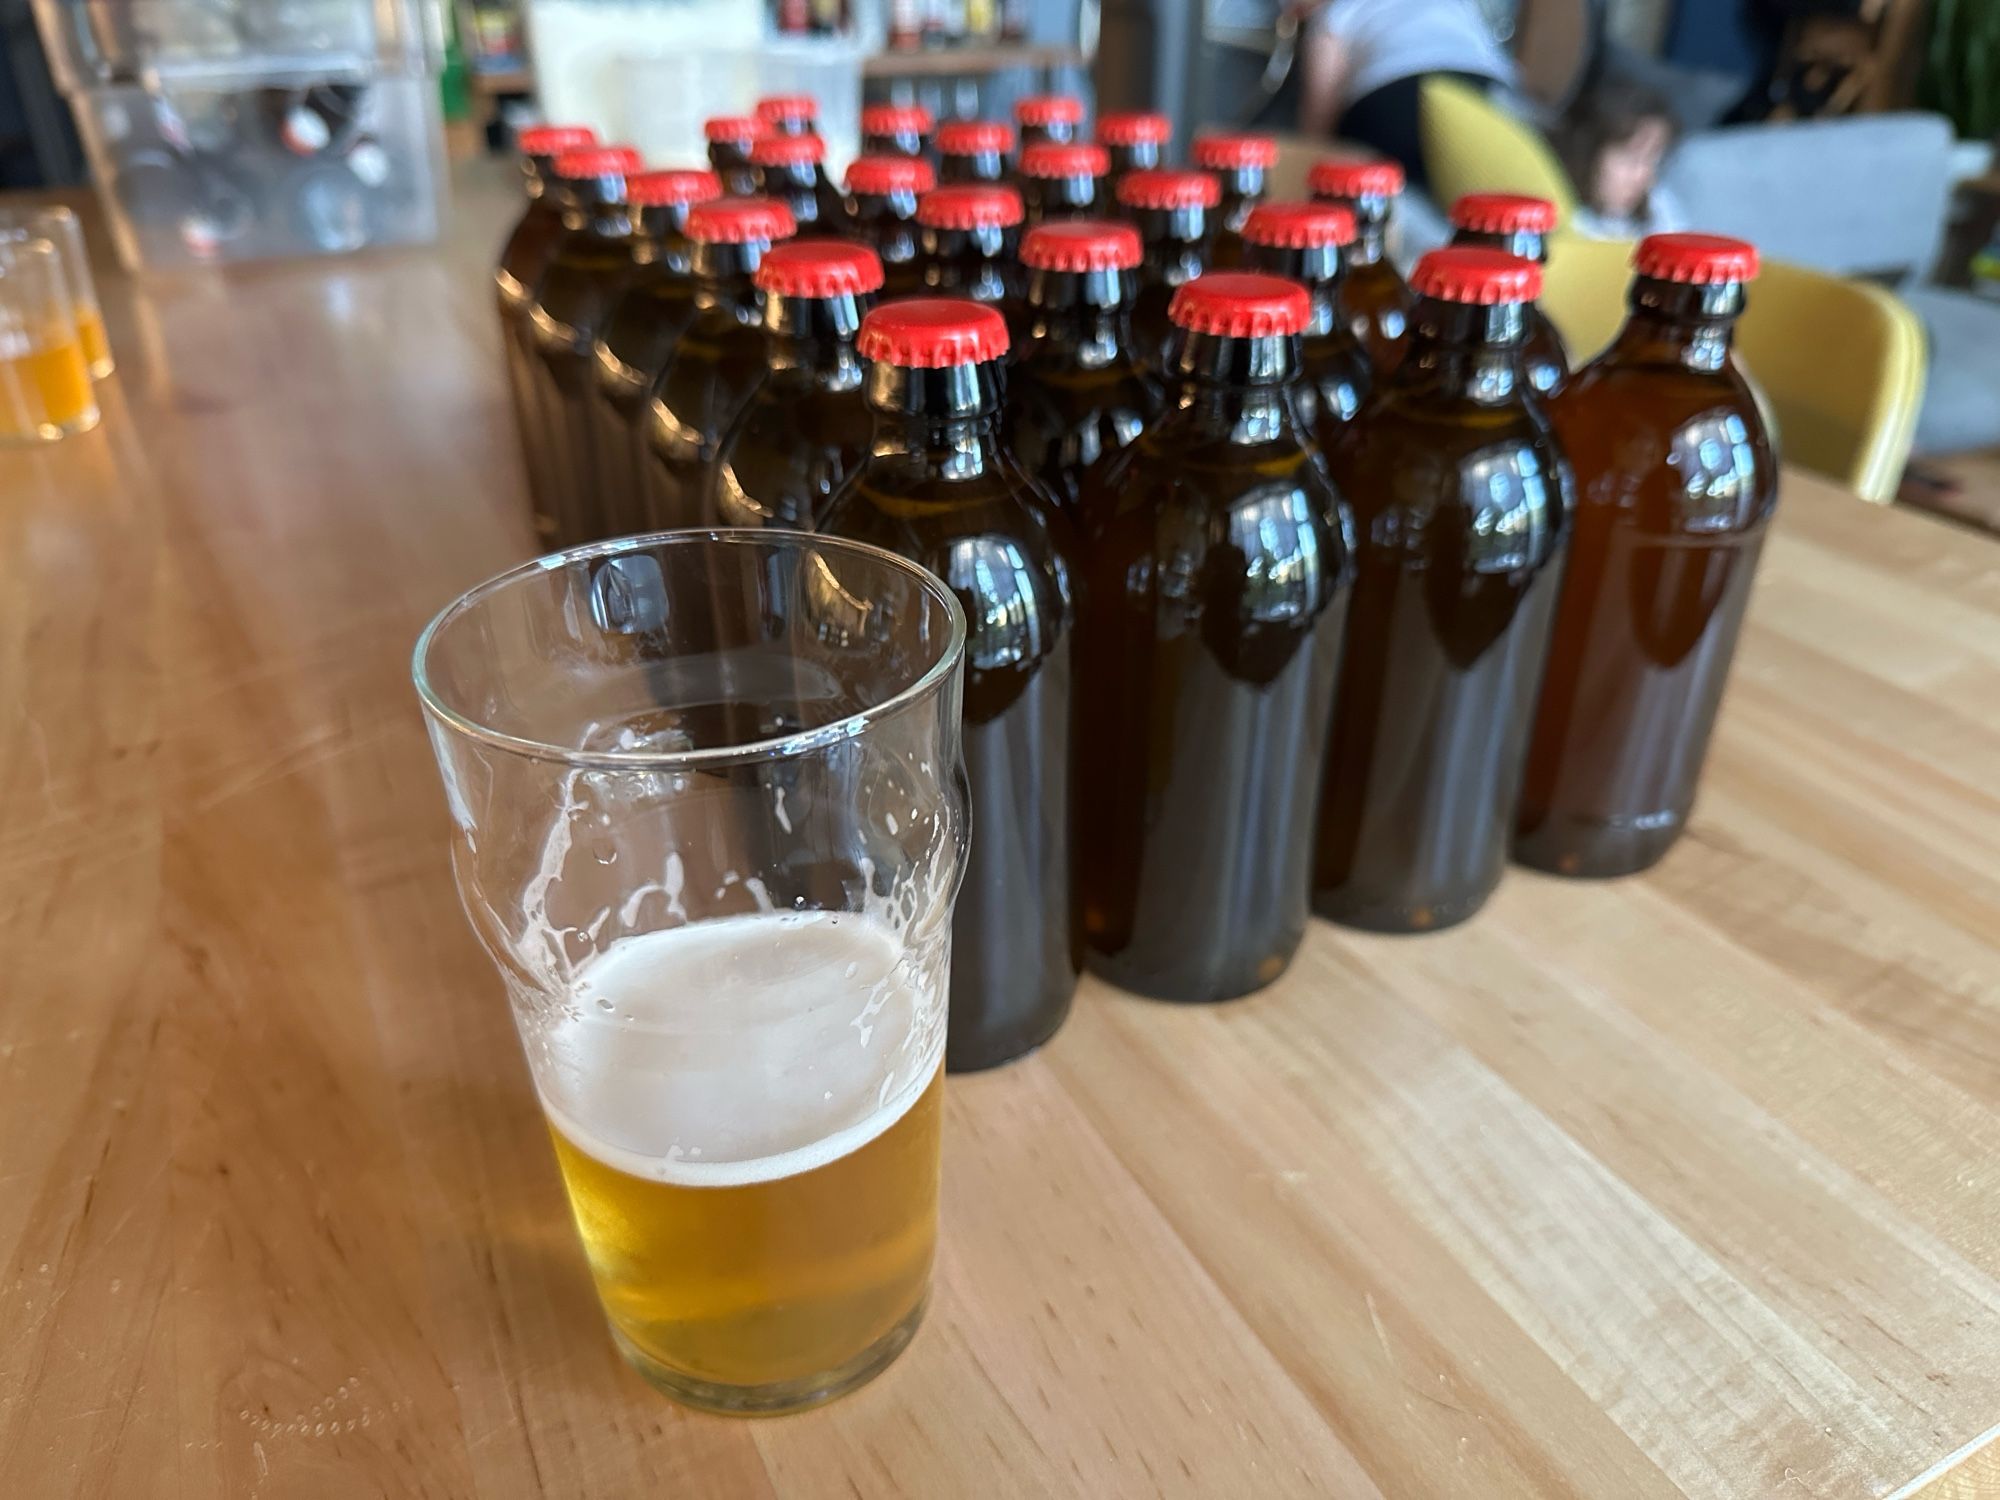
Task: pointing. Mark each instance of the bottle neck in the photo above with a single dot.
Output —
(898, 207)
(1237, 389)
(1317, 268)
(1525, 243)
(972, 262)
(1069, 197)
(1371, 230)
(1458, 351)
(1676, 323)
(972, 166)
(951, 417)
(1056, 132)
(790, 181)
(1241, 185)
(900, 143)
(723, 276)
(537, 173)
(662, 235)
(1140, 156)
(597, 207)
(1175, 240)
(815, 334)
(1080, 319)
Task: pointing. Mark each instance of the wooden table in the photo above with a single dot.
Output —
(1684, 1184)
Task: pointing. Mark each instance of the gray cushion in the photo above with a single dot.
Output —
(1962, 399)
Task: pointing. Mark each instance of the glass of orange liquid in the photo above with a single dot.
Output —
(45, 389)
(61, 227)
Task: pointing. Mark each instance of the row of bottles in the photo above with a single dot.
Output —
(1292, 586)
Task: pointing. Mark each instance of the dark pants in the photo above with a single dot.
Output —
(1390, 120)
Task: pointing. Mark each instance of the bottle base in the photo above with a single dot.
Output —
(1214, 990)
(777, 1397)
(995, 1054)
(1398, 919)
(1596, 849)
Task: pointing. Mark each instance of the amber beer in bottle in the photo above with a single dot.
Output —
(1172, 211)
(522, 261)
(788, 114)
(791, 169)
(973, 151)
(940, 488)
(730, 138)
(1051, 118)
(638, 335)
(806, 427)
(1239, 163)
(1521, 226)
(718, 360)
(1373, 293)
(1305, 241)
(1461, 507)
(1676, 482)
(1215, 585)
(1074, 394)
(882, 193)
(1063, 182)
(1136, 142)
(590, 267)
(970, 235)
(895, 130)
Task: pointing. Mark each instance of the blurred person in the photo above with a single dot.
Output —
(1613, 143)
(1364, 63)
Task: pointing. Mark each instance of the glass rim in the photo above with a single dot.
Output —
(774, 747)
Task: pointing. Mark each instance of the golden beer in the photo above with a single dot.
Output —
(746, 1111)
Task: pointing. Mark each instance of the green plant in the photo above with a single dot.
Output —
(1961, 75)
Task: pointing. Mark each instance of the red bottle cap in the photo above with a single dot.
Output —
(739, 221)
(1471, 273)
(820, 268)
(932, 333)
(1081, 245)
(548, 140)
(1705, 259)
(1224, 153)
(1355, 179)
(1046, 159)
(1134, 130)
(1503, 213)
(1299, 226)
(786, 150)
(1049, 109)
(597, 161)
(732, 128)
(890, 174)
(1164, 189)
(970, 206)
(646, 188)
(1241, 305)
(895, 119)
(788, 109)
(975, 138)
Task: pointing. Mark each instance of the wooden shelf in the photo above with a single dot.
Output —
(962, 62)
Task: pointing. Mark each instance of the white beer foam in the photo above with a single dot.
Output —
(739, 1050)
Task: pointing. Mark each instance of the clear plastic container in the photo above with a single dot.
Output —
(200, 175)
(93, 43)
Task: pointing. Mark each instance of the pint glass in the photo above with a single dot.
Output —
(708, 819)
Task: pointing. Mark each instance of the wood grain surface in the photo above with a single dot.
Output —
(1680, 1185)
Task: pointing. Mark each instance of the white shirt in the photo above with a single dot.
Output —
(1385, 40)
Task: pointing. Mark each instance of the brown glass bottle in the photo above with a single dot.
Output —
(1063, 181)
(1304, 242)
(590, 267)
(730, 138)
(1373, 293)
(940, 488)
(517, 276)
(895, 130)
(1171, 210)
(1461, 502)
(1239, 163)
(1136, 142)
(637, 336)
(806, 427)
(788, 114)
(1215, 582)
(1052, 119)
(1519, 225)
(1676, 483)
(973, 151)
(791, 169)
(969, 239)
(1073, 392)
(882, 193)
(718, 360)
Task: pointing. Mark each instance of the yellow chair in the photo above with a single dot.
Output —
(1473, 146)
(1840, 363)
